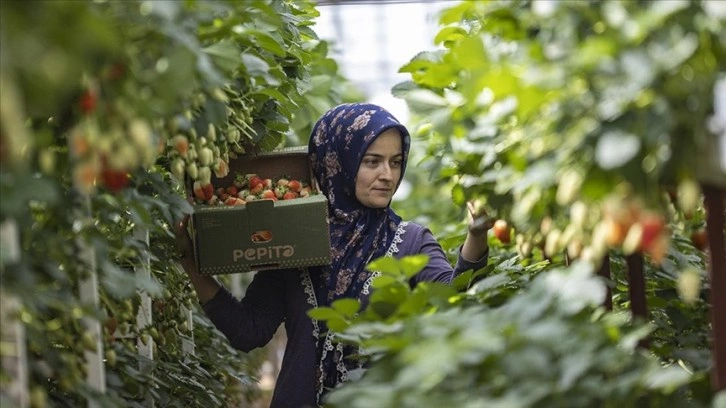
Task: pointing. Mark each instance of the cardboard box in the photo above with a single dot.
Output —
(263, 234)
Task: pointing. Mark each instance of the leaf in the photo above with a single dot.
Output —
(323, 313)
(381, 281)
(615, 148)
(254, 65)
(385, 264)
(346, 307)
(412, 264)
(225, 54)
(450, 34)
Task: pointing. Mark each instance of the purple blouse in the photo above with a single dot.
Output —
(278, 296)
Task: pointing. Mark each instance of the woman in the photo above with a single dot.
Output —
(358, 154)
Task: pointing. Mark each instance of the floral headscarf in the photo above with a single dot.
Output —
(358, 234)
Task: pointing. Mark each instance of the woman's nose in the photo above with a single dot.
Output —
(386, 172)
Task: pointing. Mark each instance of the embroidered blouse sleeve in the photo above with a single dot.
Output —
(251, 322)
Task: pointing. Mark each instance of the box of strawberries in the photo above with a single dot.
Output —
(267, 213)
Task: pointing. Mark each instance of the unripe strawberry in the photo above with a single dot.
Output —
(177, 168)
(689, 285)
(219, 94)
(569, 186)
(47, 161)
(206, 156)
(111, 357)
(205, 175)
(193, 171)
(140, 133)
(552, 242)
(633, 239)
(211, 133)
(689, 196)
(578, 213)
(233, 135)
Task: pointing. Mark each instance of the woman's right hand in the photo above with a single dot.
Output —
(205, 286)
(184, 245)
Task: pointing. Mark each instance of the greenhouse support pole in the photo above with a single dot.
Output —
(604, 272)
(188, 343)
(715, 224)
(14, 353)
(88, 288)
(636, 289)
(144, 315)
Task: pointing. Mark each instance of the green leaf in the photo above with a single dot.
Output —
(346, 307)
(324, 313)
(254, 65)
(382, 281)
(386, 265)
(225, 54)
(412, 264)
(450, 34)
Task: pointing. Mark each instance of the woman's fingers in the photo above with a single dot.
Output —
(479, 220)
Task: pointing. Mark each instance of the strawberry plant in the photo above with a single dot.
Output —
(92, 147)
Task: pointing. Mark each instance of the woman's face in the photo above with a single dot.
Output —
(380, 170)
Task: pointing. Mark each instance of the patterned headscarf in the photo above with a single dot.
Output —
(358, 234)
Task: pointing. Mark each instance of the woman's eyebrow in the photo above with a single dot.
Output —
(381, 155)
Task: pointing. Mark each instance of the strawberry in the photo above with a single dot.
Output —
(268, 183)
(257, 189)
(232, 190)
(306, 191)
(290, 195)
(231, 201)
(280, 191)
(294, 185)
(268, 195)
(282, 182)
(256, 181)
(88, 101)
(203, 192)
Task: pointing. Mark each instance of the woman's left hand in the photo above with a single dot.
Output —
(476, 246)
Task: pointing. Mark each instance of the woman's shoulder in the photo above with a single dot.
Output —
(411, 228)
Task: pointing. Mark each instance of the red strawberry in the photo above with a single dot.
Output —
(290, 195)
(268, 194)
(257, 189)
(232, 190)
(203, 192)
(114, 180)
(88, 102)
(198, 191)
(231, 201)
(294, 185)
(256, 181)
